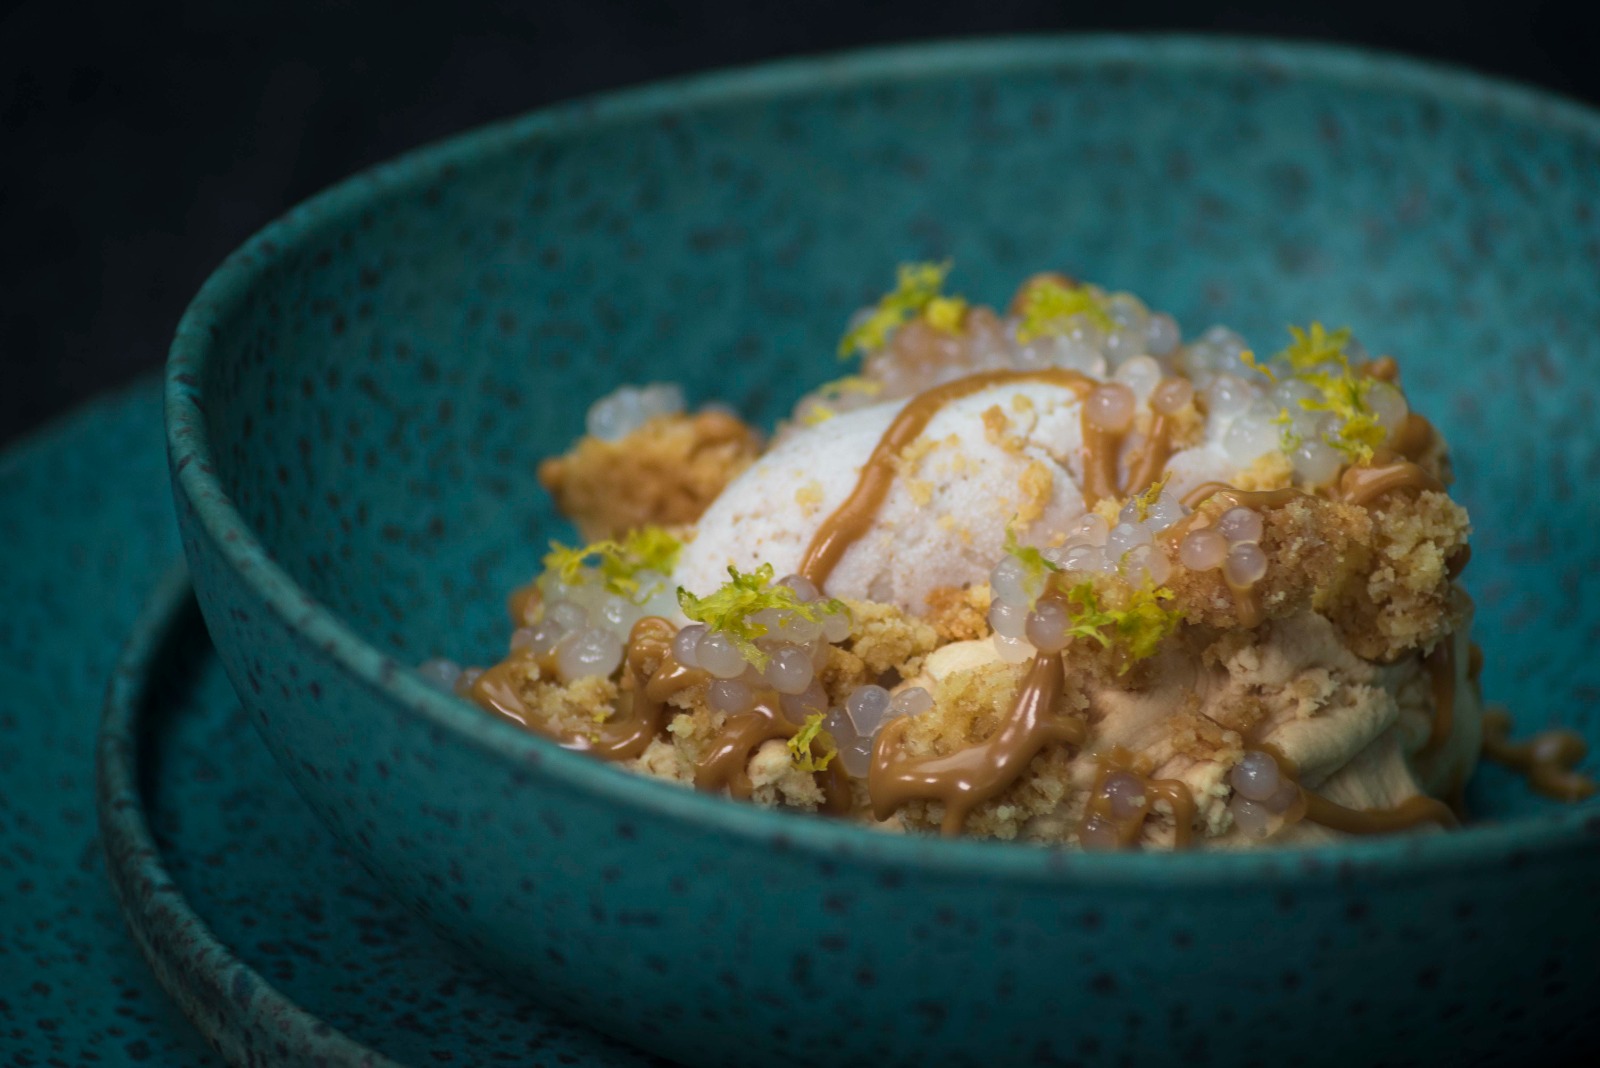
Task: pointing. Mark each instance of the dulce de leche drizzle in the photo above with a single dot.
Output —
(623, 736)
(727, 762)
(1127, 820)
(1546, 760)
(968, 777)
(1317, 809)
(852, 518)
(641, 717)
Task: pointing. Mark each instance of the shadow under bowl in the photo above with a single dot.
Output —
(358, 397)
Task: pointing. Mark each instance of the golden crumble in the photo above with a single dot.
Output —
(666, 472)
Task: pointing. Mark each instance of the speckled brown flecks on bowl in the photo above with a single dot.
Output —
(358, 398)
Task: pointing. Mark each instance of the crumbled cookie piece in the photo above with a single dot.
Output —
(959, 613)
(572, 708)
(887, 639)
(666, 472)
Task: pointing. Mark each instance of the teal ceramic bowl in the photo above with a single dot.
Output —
(358, 398)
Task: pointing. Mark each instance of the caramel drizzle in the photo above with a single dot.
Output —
(1363, 485)
(1128, 829)
(626, 735)
(852, 518)
(1441, 665)
(1547, 760)
(522, 603)
(727, 762)
(623, 736)
(1312, 806)
(968, 777)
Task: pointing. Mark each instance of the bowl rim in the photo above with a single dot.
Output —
(1517, 841)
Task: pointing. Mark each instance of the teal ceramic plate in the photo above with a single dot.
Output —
(247, 910)
(87, 526)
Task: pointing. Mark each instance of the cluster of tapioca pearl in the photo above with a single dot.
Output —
(1244, 406)
(1260, 792)
(1136, 336)
(1024, 624)
(795, 648)
(1126, 799)
(1232, 543)
(583, 626)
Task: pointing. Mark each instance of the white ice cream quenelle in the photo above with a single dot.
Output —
(943, 520)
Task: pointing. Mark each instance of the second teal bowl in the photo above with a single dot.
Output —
(359, 396)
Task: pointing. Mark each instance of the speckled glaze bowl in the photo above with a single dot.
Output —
(358, 397)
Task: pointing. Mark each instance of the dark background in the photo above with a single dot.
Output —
(140, 143)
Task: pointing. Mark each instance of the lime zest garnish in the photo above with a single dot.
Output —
(1138, 629)
(916, 286)
(800, 745)
(946, 314)
(619, 562)
(1315, 345)
(1288, 439)
(1143, 502)
(1048, 308)
(728, 609)
(1248, 358)
(1036, 568)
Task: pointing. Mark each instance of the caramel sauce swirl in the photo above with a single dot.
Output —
(1546, 760)
(1363, 485)
(1312, 806)
(727, 763)
(1127, 828)
(852, 518)
(968, 777)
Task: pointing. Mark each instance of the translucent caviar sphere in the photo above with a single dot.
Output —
(622, 411)
(585, 625)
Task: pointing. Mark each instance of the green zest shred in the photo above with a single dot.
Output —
(1049, 307)
(917, 286)
(1316, 357)
(1143, 502)
(730, 607)
(1034, 565)
(649, 548)
(800, 745)
(1138, 628)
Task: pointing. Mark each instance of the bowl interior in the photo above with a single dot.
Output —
(410, 345)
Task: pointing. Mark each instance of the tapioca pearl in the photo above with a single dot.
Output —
(1084, 559)
(1047, 627)
(730, 695)
(469, 678)
(621, 412)
(789, 670)
(1125, 794)
(1240, 524)
(719, 657)
(1146, 565)
(1251, 817)
(1388, 405)
(1098, 834)
(686, 643)
(785, 626)
(809, 702)
(591, 651)
(567, 615)
(1073, 355)
(1125, 537)
(1228, 396)
(618, 615)
(1252, 435)
(1091, 529)
(1290, 392)
(1011, 583)
(440, 673)
(913, 701)
(1013, 650)
(1172, 396)
(803, 588)
(1008, 618)
(1161, 334)
(836, 626)
(1166, 511)
(867, 707)
(1287, 794)
(1316, 463)
(1123, 345)
(1110, 407)
(1203, 550)
(1141, 374)
(1230, 344)
(1246, 564)
(1255, 776)
(855, 756)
